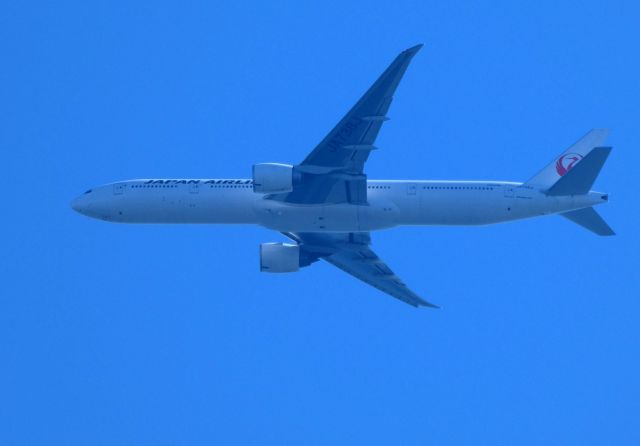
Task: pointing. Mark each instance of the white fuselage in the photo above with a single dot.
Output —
(390, 203)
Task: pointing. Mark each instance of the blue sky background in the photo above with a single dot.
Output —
(115, 334)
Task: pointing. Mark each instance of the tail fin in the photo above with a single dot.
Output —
(586, 153)
(588, 218)
(580, 178)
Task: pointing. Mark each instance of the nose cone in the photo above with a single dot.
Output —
(95, 203)
(81, 204)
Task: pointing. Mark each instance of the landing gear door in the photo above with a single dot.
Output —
(118, 188)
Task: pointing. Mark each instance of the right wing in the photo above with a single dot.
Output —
(351, 253)
(334, 171)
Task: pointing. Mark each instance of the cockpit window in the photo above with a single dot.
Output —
(88, 192)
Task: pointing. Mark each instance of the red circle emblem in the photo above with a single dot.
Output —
(566, 162)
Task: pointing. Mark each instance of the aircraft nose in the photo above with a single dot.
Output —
(80, 204)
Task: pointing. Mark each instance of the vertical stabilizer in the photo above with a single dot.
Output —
(581, 177)
(570, 158)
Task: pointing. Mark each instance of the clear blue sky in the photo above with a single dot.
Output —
(114, 334)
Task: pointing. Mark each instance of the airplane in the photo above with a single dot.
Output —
(327, 206)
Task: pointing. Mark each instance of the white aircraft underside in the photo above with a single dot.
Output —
(327, 206)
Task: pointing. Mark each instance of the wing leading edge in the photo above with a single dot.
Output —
(351, 253)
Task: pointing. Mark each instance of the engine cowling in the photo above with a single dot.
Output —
(272, 178)
(279, 258)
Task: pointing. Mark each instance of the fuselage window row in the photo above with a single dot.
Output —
(154, 186)
(456, 188)
(241, 186)
(165, 186)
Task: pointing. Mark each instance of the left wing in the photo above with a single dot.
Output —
(334, 171)
(351, 253)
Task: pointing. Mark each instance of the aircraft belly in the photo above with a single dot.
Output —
(228, 207)
(463, 208)
(342, 217)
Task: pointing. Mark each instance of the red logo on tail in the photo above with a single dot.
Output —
(566, 162)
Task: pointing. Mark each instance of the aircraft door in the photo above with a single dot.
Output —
(118, 188)
(194, 188)
(509, 195)
(509, 191)
(411, 210)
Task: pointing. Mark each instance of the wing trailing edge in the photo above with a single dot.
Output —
(351, 253)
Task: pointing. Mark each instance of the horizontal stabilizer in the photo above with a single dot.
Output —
(589, 219)
(580, 178)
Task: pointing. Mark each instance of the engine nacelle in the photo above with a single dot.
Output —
(271, 178)
(279, 258)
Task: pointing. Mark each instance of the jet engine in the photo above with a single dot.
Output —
(279, 258)
(271, 178)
